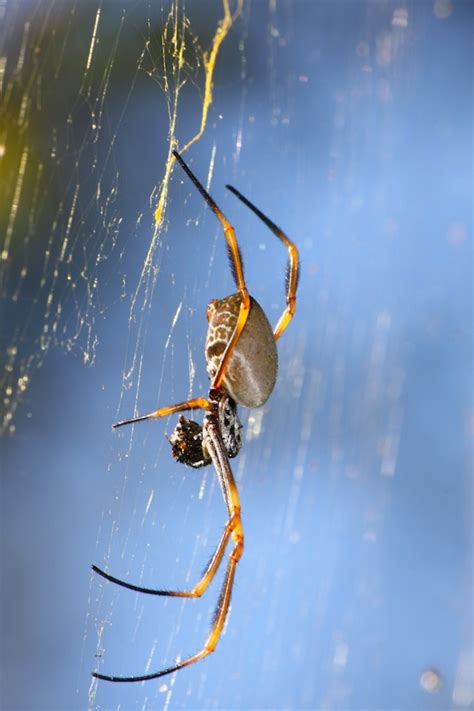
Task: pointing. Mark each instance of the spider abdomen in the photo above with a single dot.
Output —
(251, 373)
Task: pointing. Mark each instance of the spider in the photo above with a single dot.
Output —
(242, 362)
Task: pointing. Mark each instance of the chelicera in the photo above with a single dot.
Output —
(242, 362)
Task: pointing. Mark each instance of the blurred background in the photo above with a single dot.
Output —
(350, 124)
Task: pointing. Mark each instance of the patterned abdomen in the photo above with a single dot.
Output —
(251, 372)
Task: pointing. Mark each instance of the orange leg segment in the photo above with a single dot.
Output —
(203, 583)
(237, 270)
(197, 403)
(293, 263)
(229, 231)
(239, 327)
(214, 444)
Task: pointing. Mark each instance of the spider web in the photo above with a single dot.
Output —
(353, 478)
(62, 278)
(65, 260)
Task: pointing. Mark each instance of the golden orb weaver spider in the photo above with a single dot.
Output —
(242, 361)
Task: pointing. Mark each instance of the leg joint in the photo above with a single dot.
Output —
(238, 548)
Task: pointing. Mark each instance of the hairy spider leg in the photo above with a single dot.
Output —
(237, 272)
(202, 584)
(197, 403)
(292, 272)
(216, 449)
(215, 561)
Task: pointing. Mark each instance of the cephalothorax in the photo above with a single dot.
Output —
(242, 363)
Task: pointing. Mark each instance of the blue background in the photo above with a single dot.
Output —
(355, 125)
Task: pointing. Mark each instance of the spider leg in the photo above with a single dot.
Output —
(215, 446)
(292, 272)
(212, 640)
(237, 271)
(197, 403)
(199, 588)
(216, 559)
